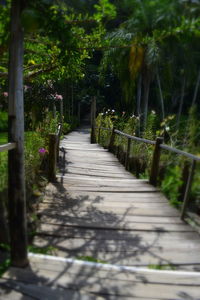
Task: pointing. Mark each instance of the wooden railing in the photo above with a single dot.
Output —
(54, 142)
(154, 171)
(7, 147)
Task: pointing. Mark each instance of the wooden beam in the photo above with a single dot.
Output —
(7, 147)
(52, 157)
(187, 191)
(16, 173)
(155, 162)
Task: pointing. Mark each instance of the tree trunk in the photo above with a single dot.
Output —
(139, 93)
(161, 95)
(138, 108)
(147, 81)
(72, 109)
(16, 176)
(181, 102)
(196, 89)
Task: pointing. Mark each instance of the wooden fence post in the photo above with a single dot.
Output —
(61, 113)
(127, 154)
(187, 190)
(52, 157)
(155, 162)
(79, 113)
(16, 173)
(93, 117)
(99, 135)
(112, 140)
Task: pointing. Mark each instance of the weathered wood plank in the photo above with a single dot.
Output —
(7, 147)
(63, 228)
(102, 281)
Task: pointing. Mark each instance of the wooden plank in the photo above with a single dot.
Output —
(105, 233)
(29, 291)
(135, 226)
(103, 280)
(113, 212)
(127, 221)
(8, 291)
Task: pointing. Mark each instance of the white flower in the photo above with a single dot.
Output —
(113, 110)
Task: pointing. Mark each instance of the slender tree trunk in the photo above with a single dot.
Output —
(161, 95)
(196, 89)
(16, 176)
(138, 109)
(72, 110)
(147, 82)
(181, 102)
(139, 93)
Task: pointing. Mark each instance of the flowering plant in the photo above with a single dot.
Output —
(42, 151)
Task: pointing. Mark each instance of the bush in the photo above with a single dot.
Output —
(66, 128)
(3, 121)
(170, 185)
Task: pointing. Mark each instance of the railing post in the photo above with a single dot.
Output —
(155, 162)
(52, 157)
(61, 112)
(99, 135)
(16, 176)
(127, 153)
(93, 117)
(79, 113)
(112, 140)
(187, 190)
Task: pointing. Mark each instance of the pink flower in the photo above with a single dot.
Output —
(26, 87)
(5, 94)
(58, 97)
(42, 151)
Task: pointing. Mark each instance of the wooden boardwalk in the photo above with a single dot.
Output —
(98, 210)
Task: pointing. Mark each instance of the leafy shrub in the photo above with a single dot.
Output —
(3, 121)
(171, 184)
(66, 128)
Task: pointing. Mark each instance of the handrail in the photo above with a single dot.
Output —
(154, 173)
(135, 137)
(54, 143)
(163, 146)
(104, 128)
(59, 129)
(7, 147)
(189, 155)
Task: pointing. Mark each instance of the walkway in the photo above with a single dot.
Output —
(97, 211)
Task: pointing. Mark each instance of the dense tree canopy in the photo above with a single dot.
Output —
(150, 49)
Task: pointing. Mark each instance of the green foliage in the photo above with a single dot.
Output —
(4, 266)
(4, 247)
(162, 267)
(91, 259)
(3, 121)
(151, 126)
(42, 250)
(3, 170)
(193, 131)
(104, 10)
(171, 184)
(33, 142)
(66, 128)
